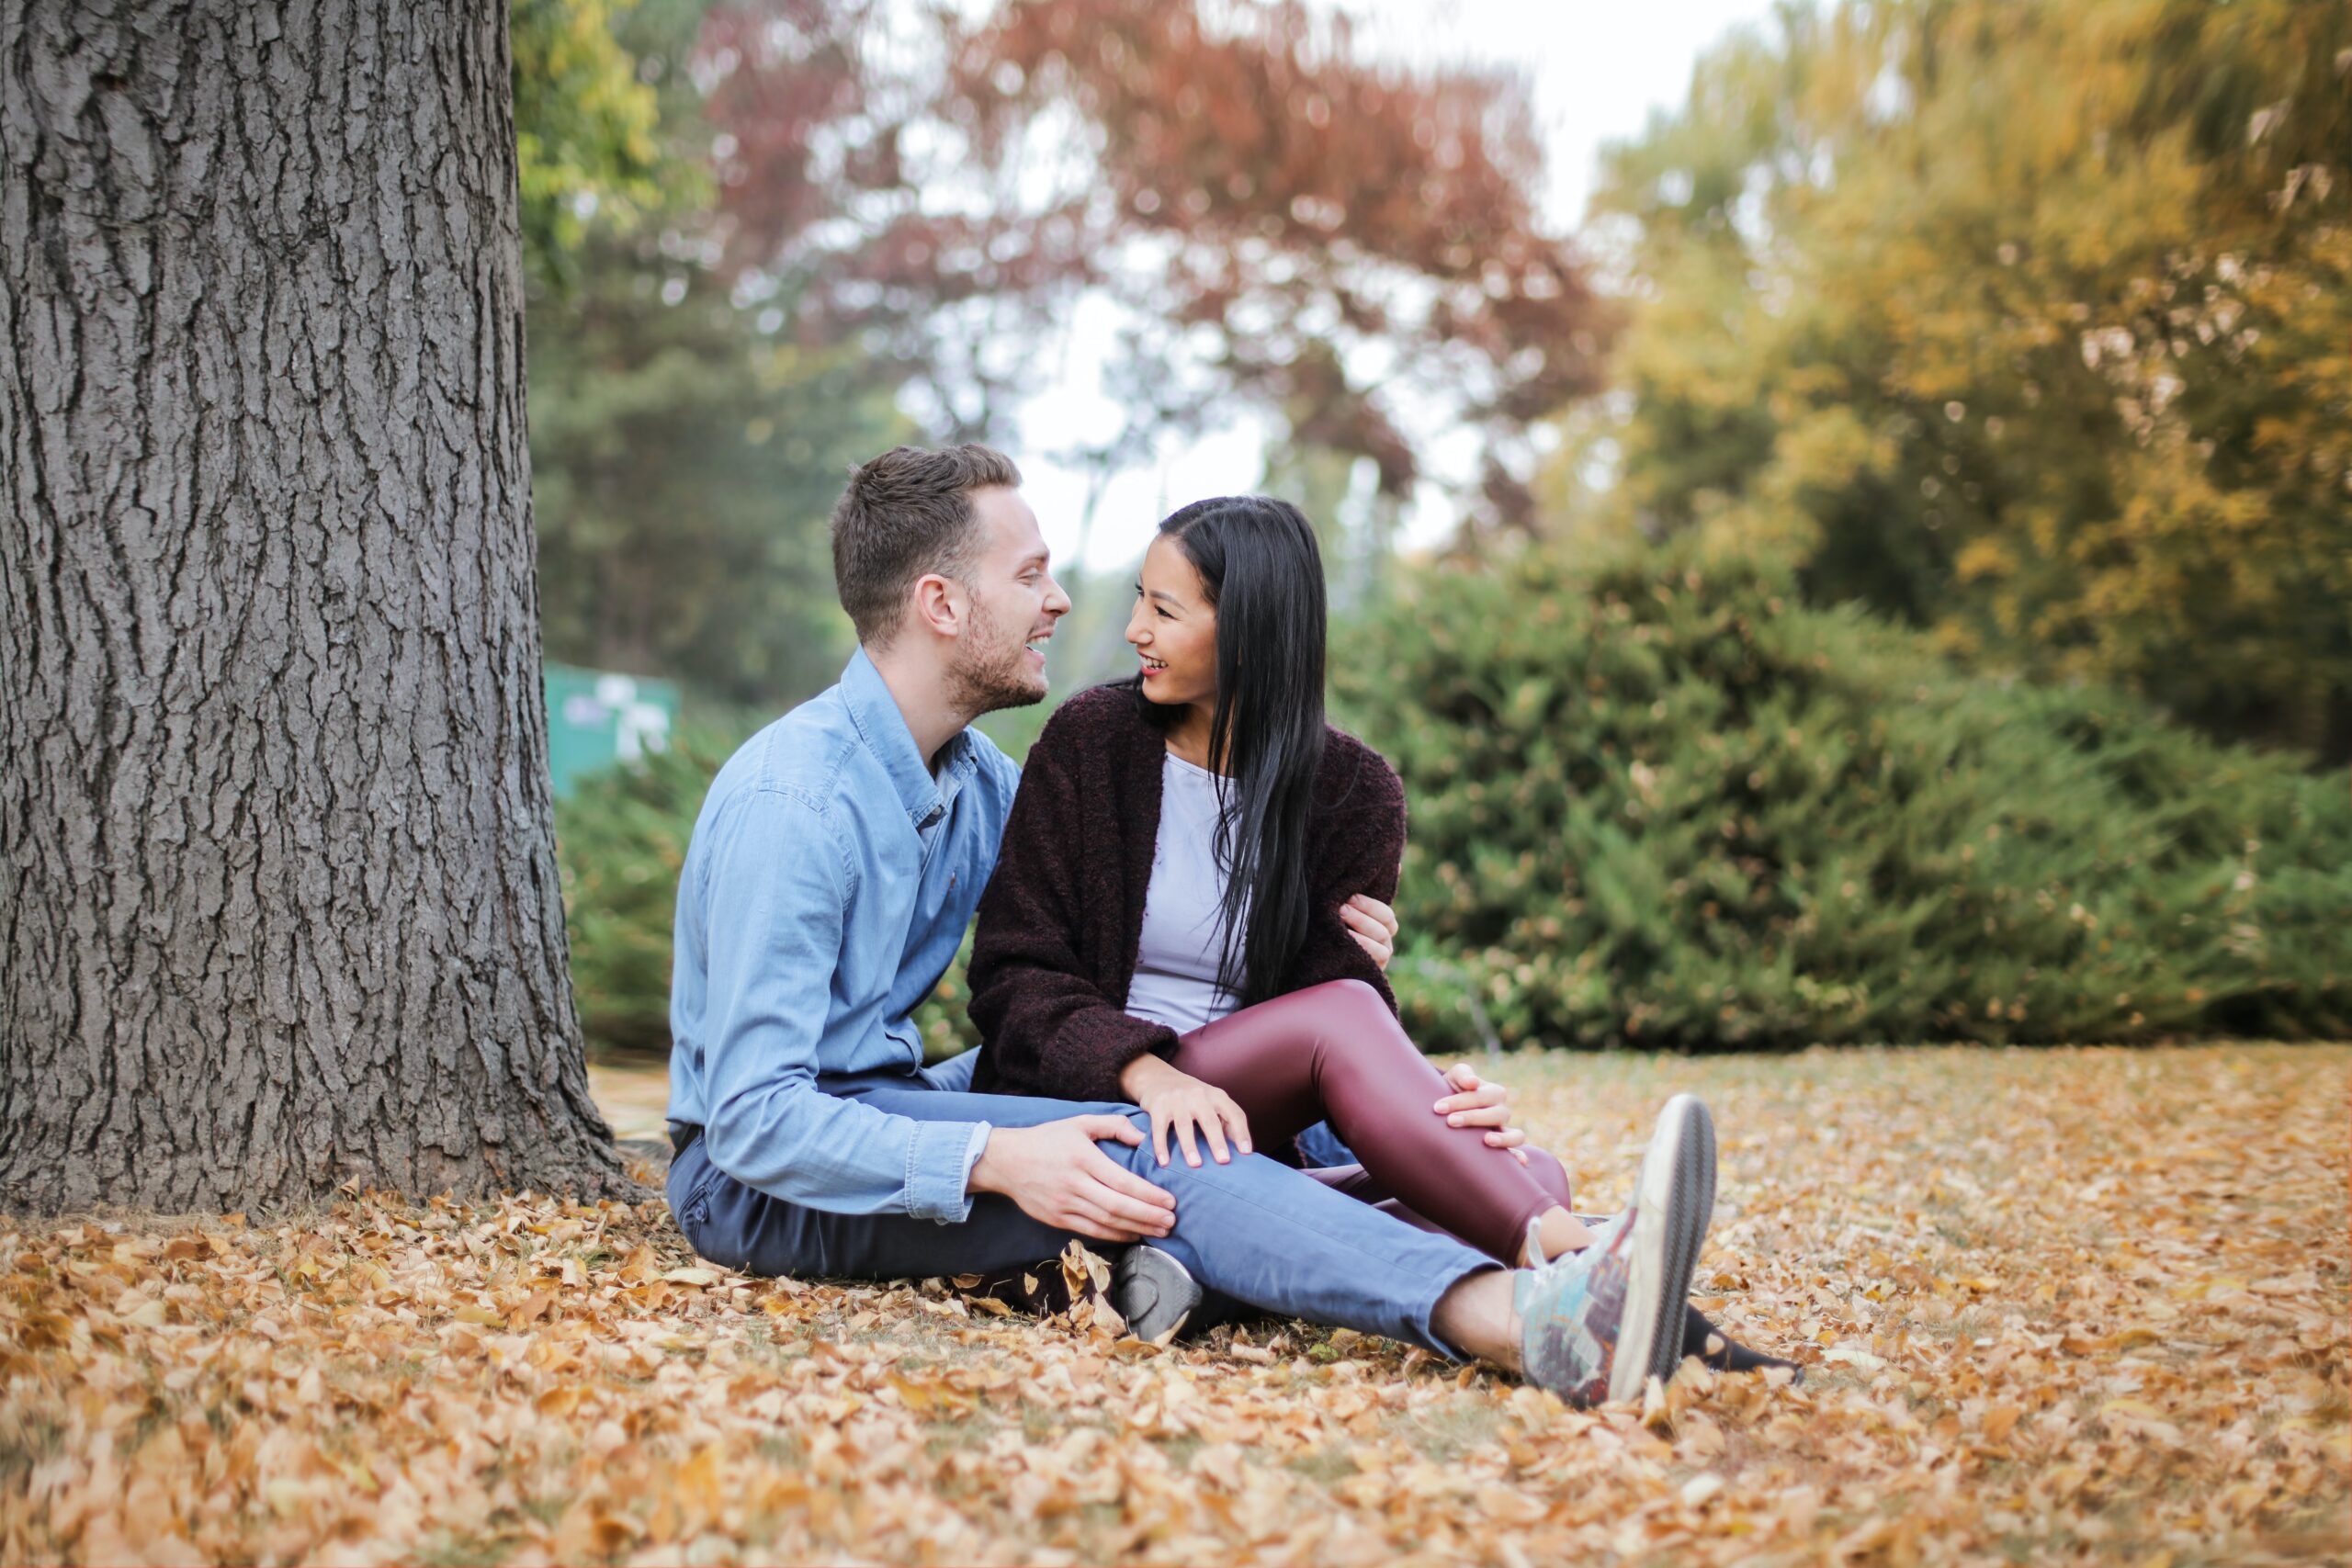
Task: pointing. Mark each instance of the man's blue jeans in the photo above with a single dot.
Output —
(1254, 1230)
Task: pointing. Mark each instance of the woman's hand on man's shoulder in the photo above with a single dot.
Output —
(1374, 925)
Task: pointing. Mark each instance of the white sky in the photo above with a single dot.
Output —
(1597, 69)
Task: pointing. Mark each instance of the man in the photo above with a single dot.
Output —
(832, 872)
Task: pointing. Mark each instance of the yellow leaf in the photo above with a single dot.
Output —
(1655, 1415)
(535, 1304)
(1701, 1489)
(922, 1398)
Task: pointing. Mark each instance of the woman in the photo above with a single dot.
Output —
(1165, 925)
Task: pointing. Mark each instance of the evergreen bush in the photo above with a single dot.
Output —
(620, 840)
(1656, 801)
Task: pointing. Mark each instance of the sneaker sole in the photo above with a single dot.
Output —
(1676, 1186)
(1174, 1293)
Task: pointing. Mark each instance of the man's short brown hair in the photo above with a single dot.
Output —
(906, 513)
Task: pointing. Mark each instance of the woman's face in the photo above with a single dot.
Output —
(1173, 628)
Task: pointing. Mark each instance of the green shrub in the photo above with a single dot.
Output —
(947, 1029)
(1656, 801)
(620, 840)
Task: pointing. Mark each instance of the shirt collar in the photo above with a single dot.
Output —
(883, 729)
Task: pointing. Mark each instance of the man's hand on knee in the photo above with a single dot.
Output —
(1055, 1174)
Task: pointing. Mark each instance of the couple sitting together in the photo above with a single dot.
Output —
(1190, 1049)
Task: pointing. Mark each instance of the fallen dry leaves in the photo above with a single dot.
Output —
(2064, 1304)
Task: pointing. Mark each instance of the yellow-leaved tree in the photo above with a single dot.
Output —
(2031, 323)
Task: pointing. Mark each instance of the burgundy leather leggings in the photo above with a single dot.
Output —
(1335, 1050)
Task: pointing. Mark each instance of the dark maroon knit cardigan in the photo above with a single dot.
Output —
(1062, 918)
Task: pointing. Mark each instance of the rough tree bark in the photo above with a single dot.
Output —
(278, 906)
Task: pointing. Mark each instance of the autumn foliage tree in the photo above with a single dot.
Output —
(2029, 323)
(1351, 245)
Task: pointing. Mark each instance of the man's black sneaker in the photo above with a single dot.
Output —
(1153, 1291)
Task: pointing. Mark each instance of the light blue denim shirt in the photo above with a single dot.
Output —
(827, 886)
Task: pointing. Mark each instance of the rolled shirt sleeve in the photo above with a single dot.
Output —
(974, 1150)
(775, 906)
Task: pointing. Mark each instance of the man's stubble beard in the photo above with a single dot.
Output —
(987, 674)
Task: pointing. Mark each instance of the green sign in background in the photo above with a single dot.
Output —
(596, 718)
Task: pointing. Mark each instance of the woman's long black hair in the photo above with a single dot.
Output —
(1258, 564)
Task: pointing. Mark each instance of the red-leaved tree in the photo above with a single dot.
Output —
(1267, 214)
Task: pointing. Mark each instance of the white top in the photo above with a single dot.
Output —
(1183, 928)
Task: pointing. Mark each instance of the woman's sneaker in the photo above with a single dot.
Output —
(1597, 1324)
(1154, 1293)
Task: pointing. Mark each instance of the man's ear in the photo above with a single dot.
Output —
(939, 605)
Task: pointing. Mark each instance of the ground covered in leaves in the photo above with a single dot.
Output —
(2085, 1303)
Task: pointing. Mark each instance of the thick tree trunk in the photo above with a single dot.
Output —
(278, 907)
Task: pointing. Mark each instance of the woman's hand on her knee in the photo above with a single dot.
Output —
(1481, 1103)
(1177, 1101)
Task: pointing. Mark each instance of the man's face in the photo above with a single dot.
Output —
(1014, 603)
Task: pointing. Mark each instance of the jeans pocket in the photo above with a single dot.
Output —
(688, 1192)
